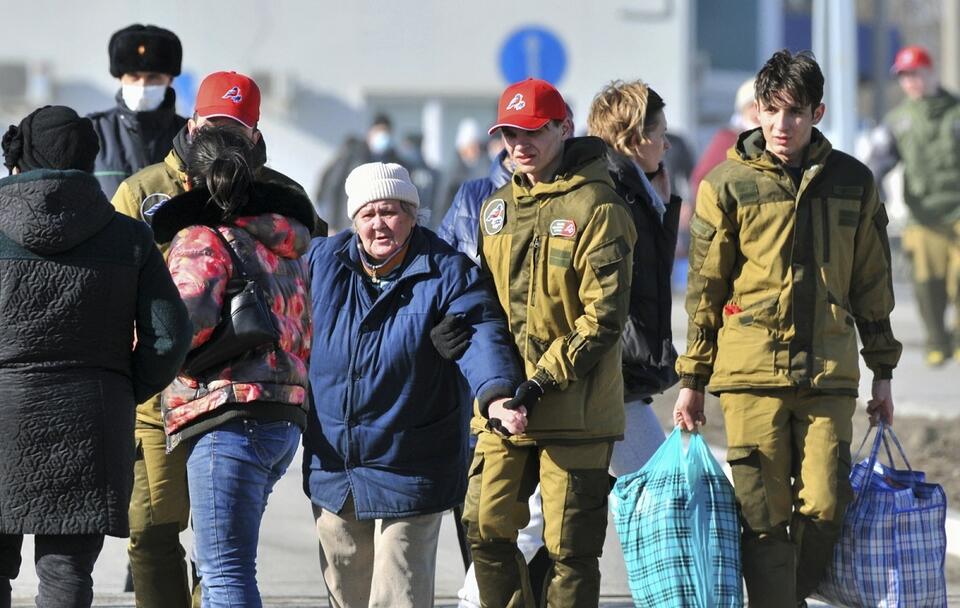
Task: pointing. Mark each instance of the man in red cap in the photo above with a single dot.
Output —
(160, 507)
(557, 240)
(923, 133)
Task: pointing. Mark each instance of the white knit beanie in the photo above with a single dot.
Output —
(378, 182)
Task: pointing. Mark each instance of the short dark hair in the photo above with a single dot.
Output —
(787, 74)
(382, 120)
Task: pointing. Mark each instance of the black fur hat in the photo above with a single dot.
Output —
(144, 48)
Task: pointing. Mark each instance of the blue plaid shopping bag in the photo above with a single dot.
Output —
(893, 545)
(679, 528)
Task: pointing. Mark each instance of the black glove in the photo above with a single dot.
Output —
(527, 395)
(451, 337)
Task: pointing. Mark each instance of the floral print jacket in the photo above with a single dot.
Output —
(271, 245)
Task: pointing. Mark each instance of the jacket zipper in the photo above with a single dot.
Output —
(825, 215)
(533, 271)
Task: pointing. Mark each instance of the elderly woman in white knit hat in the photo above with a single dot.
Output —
(397, 312)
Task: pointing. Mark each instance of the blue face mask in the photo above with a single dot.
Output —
(380, 142)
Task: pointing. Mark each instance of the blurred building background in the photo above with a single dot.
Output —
(326, 68)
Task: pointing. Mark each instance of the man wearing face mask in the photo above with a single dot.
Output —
(379, 146)
(138, 130)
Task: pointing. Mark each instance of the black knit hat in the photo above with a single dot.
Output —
(144, 48)
(51, 137)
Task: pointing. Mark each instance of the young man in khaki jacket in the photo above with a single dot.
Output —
(557, 240)
(788, 254)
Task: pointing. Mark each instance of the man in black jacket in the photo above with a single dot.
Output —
(138, 130)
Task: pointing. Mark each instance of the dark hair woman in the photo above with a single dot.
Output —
(241, 418)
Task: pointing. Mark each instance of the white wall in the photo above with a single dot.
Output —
(339, 53)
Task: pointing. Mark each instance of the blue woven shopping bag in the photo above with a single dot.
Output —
(679, 528)
(892, 549)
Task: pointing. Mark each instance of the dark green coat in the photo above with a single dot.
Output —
(926, 132)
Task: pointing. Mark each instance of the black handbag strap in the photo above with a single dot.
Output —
(238, 265)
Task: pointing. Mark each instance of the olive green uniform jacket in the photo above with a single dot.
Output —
(560, 253)
(927, 135)
(141, 194)
(780, 275)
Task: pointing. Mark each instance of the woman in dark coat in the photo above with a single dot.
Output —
(75, 279)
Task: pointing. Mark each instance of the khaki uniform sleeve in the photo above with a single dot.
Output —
(871, 289)
(604, 263)
(714, 239)
(125, 201)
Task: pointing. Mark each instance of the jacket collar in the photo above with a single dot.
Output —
(192, 208)
(582, 162)
(751, 149)
(177, 158)
(416, 263)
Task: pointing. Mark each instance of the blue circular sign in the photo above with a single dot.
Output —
(533, 52)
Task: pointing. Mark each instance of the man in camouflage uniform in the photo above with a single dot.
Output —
(557, 240)
(788, 254)
(923, 133)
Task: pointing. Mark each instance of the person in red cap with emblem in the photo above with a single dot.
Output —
(558, 242)
(159, 507)
(923, 133)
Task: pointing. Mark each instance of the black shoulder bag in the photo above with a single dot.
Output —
(246, 322)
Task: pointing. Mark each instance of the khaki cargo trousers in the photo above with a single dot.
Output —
(574, 485)
(935, 259)
(789, 451)
(159, 511)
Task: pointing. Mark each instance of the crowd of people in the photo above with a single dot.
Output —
(163, 357)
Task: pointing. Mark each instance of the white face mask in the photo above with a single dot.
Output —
(380, 142)
(143, 98)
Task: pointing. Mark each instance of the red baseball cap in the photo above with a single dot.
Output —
(528, 105)
(231, 95)
(910, 58)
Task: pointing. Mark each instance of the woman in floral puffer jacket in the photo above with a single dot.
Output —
(241, 420)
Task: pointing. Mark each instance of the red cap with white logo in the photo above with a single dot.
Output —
(910, 58)
(528, 105)
(231, 95)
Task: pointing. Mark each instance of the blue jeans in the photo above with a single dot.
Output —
(231, 471)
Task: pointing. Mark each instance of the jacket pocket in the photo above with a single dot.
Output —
(746, 350)
(701, 236)
(839, 219)
(609, 262)
(558, 266)
(839, 345)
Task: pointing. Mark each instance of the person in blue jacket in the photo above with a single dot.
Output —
(462, 220)
(386, 443)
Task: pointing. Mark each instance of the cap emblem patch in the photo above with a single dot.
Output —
(233, 95)
(517, 103)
